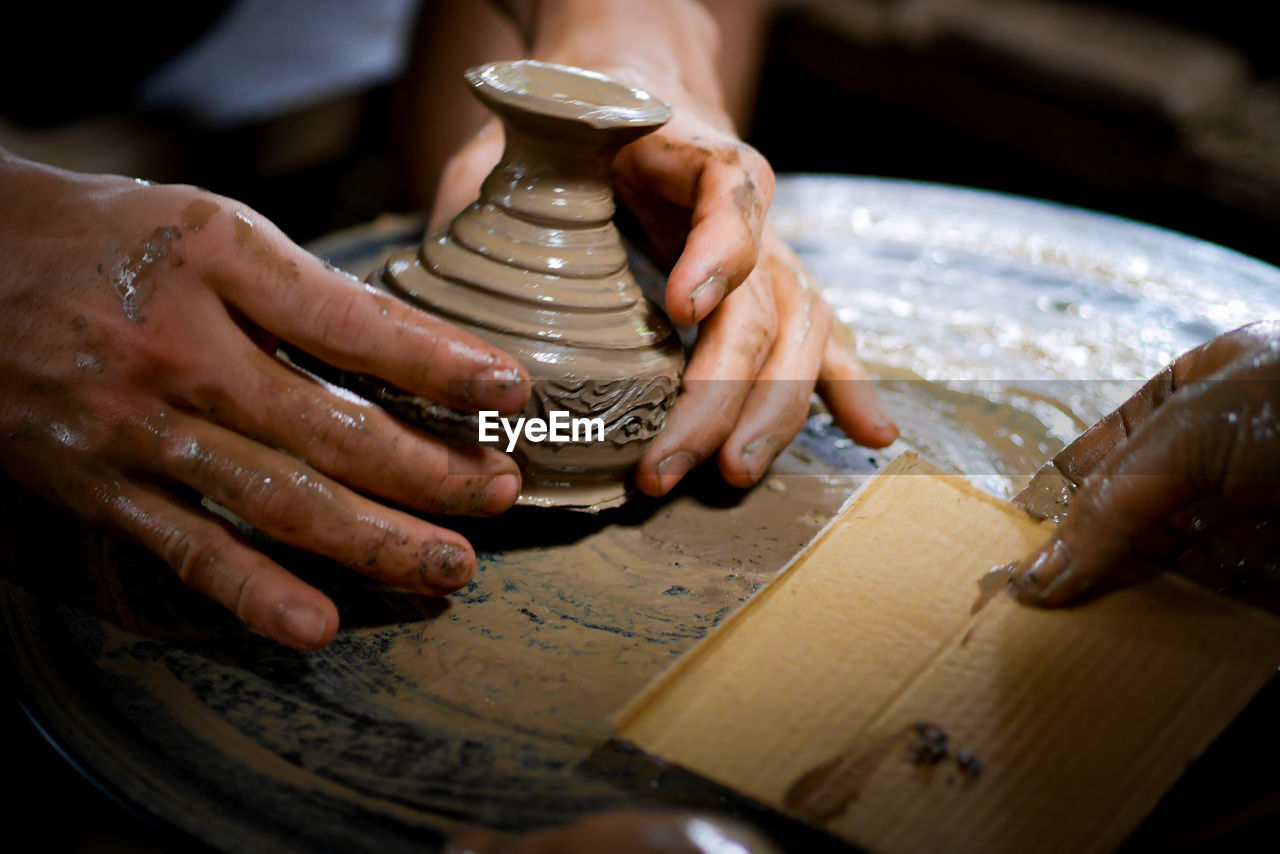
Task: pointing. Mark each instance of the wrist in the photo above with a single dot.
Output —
(667, 47)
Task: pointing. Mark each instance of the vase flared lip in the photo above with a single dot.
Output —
(566, 92)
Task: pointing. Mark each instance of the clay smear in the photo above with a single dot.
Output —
(132, 277)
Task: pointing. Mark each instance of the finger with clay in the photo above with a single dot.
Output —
(1185, 475)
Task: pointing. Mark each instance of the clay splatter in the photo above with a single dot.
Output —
(196, 215)
(996, 579)
(131, 278)
(931, 744)
(969, 764)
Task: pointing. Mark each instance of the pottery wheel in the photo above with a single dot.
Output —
(1001, 326)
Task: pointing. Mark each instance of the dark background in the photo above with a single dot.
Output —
(1163, 112)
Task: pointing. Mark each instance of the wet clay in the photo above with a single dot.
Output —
(1048, 495)
(823, 792)
(537, 268)
(992, 582)
(196, 215)
(131, 278)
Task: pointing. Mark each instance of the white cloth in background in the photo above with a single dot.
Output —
(263, 58)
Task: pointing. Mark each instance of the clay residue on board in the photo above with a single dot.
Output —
(828, 789)
(969, 764)
(825, 791)
(931, 744)
(992, 582)
(133, 278)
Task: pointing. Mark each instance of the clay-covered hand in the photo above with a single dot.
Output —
(767, 337)
(139, 377)
(746, 388)
(1185, 475)
(623, 832)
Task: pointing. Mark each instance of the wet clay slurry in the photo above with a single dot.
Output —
(132, 278)
(537, 268)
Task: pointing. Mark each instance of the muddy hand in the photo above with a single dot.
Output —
(767, 336)
(746, 388)
(702, 195)
(141, 324)
(622, 833)
(1184, 475)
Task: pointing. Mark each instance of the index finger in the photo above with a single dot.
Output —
(1049, 492)
(354, 326)
(732, 196)
(726, 186)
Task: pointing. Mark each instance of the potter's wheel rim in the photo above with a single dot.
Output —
(804, 207)
(935, 202)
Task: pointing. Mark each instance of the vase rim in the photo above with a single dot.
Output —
(566, 92)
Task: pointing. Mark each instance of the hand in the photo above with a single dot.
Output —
(139, 375)
(767, 338)
(622, 832)
(1184, 475)
(747, 385)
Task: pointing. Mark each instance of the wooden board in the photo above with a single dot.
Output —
(817, 696)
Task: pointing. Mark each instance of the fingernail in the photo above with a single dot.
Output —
(1066, 578)
(446, 566)
(883, 420)
(503, 491)
(758, 455)
(304, 624)
(879, 416)
(674, 467)
(707, 295)
(490, 389)
(508, 379)
(1051, 562)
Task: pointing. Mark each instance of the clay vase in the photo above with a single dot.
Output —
(537, 268)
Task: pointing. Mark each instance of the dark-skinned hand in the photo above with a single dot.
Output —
(1185, 475)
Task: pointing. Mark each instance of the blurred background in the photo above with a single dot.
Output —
(1164, 112)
